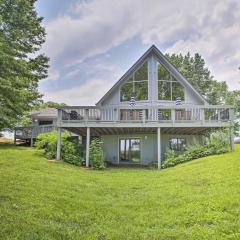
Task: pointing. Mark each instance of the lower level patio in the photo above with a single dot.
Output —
(140, 145)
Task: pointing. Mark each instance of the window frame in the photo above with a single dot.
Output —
(131, 80)
(171, 81)
(179, 146)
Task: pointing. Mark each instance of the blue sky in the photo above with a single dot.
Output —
(92, 43)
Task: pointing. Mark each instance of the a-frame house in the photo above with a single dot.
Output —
(150, 109)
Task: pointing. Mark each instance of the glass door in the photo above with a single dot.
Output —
(129, 150)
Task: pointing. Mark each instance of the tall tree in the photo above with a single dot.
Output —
(215, 92)
(195, 70)
(21, 66)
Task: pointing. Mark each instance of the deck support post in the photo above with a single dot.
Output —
(87, 146)
(159, 146)
(15, 139)
(231, 138)
(59, 131)
(31, 140)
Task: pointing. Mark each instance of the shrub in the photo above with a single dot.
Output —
(215, 143)
(96, 154)
(152, 165)
(48, 142)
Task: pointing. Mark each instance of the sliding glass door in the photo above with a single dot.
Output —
(129, 150)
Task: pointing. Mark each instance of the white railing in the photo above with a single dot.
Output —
(32, 131)
(209, 113)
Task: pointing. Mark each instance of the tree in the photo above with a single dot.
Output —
(21, 66)
(215, 92)
(195, 70)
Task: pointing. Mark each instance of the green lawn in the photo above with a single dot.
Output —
(42, 200)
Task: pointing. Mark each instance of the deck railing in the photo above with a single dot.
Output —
(32, 131)
(209, 113)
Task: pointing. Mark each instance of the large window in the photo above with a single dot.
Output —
(129, 150)
(168, 87)
(136, 85)
(177, 144)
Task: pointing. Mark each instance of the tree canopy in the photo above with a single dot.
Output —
(215, 92)
(21, 64)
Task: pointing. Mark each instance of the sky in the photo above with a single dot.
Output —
(92, 43)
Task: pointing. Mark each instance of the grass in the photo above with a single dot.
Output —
(42, 200)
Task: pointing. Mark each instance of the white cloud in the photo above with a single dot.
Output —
(211, 28)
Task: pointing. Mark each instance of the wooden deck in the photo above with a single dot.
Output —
(146, 116)
(31, 132)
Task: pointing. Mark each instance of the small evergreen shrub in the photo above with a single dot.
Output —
(215, 143)
(70, 151)
(96, 154)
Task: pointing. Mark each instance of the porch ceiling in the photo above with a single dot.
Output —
(119, 131)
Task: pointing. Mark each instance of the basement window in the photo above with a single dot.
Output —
(177, 144)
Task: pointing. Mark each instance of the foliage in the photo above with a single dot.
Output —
(216, 143)
(215, 92)
(96, 154)
(195, 70)
(70, 152)
(21, 68)
(152, 165)
(42, 200)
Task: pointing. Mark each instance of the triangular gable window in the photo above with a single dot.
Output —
(136, 85)
(169, 88)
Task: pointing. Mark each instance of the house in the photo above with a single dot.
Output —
(44, 120)
(150, 109)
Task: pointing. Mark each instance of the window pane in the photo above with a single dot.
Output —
(177, 91)
(181, 144)
(163, 73)
(164, 90)
(173, 144)
(135, 150)
(164, 114)
(141, 90)
(126, 92)
(130, 79)
(124, 150)
(177, 144)
(141, 73)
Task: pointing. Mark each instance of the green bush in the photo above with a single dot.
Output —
(96, 154)
(215, 143)
(152, 165)
(70, 151)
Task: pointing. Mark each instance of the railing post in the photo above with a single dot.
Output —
(86, 115)
(202, 115)
(173, 115)
(115, 114)
(144, 115)
(219, 114)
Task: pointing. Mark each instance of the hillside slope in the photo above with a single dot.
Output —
(42, 200)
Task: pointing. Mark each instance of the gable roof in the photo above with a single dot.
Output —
(153, 50)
